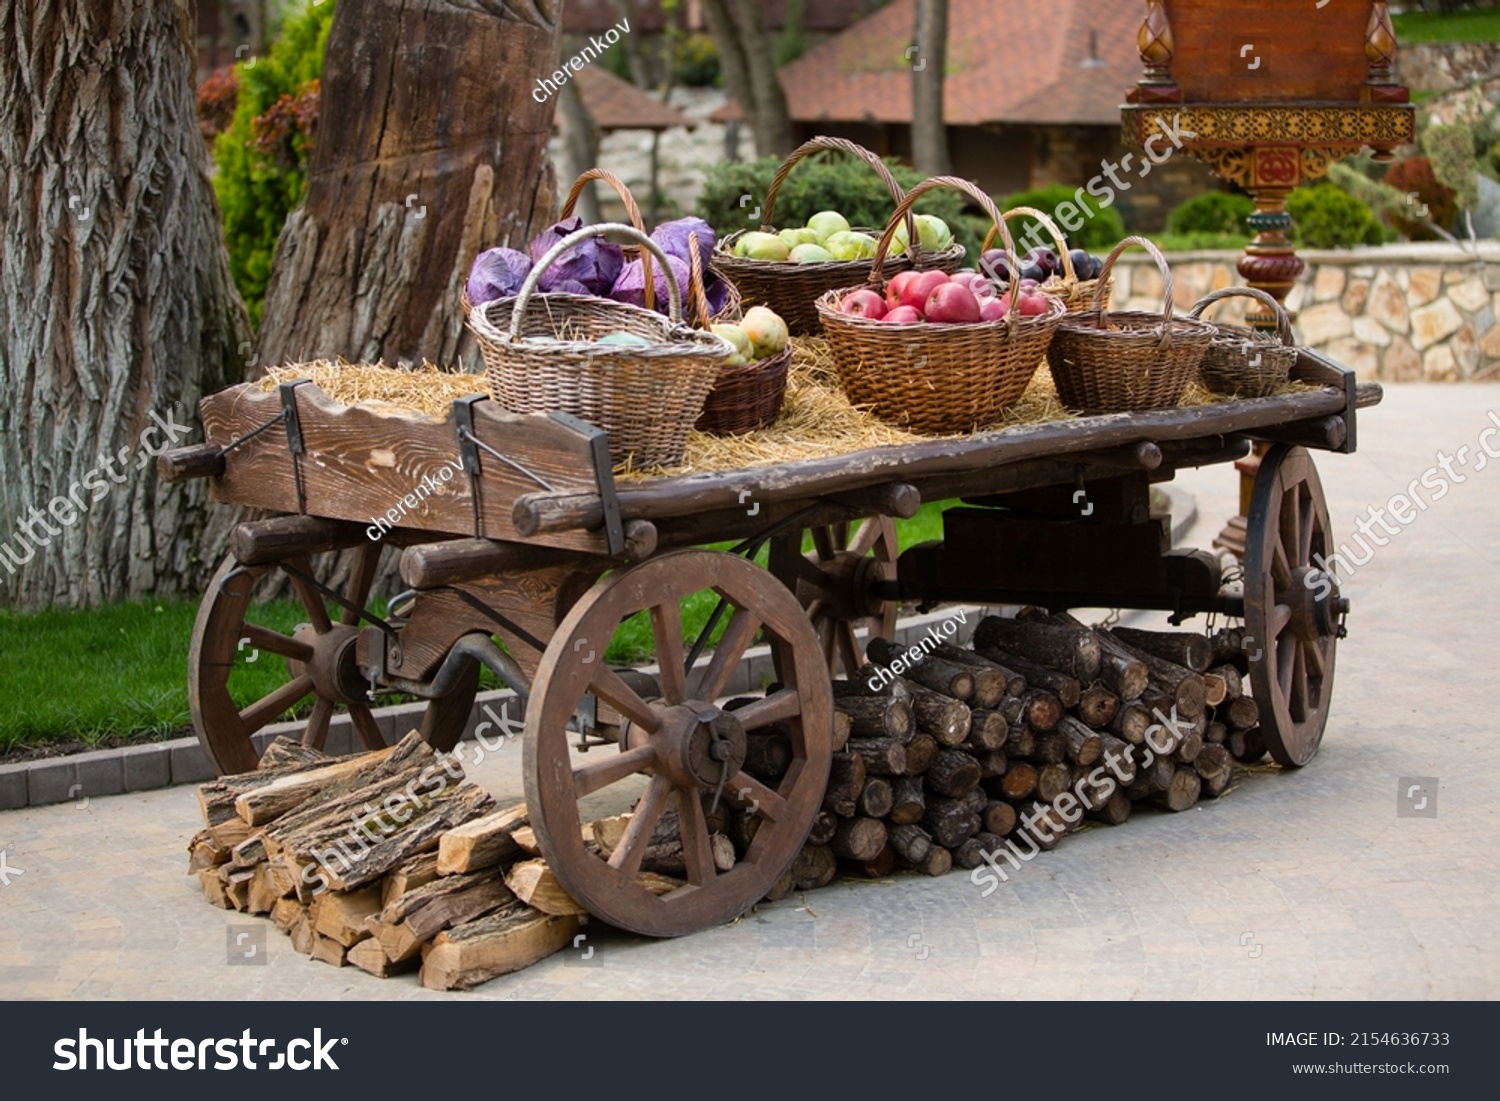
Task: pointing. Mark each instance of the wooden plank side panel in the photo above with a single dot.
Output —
(362, 465)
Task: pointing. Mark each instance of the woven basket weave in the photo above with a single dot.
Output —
(1119, 362)
(793, 289)
(646, 399)
(937, 378)
(632, 211)
(1076, 295)
(1243, 362)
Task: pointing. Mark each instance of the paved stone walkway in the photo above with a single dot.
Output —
(1297, 885)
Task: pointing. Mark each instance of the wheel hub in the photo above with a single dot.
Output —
(852, 578)
(334, 666)
(1315, 602)
(697, 744)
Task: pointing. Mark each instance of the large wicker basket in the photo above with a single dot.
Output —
(632, 211)
(646, 398)
(937, 378)
(746, 396)
(1076, 294)
(1118, 362)
(793, 289)
(1243, 362)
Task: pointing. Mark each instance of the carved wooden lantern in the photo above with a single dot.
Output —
(1269, 93)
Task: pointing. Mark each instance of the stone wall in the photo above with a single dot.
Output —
(1397, 312)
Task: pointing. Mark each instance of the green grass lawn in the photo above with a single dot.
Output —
(120, 672)
(1463, 26)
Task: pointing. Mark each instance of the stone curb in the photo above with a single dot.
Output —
(83, 776)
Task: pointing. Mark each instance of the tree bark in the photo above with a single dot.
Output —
(750, 73)
(929, 134)
(431, 148)
(116, 306)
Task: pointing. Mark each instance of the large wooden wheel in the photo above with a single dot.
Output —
(833, 583)
(1292, 605)
(318, 656)
(675, 748)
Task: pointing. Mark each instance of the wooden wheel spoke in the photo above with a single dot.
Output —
(823, 542)
(767, 803)
(666, 629)
(1297, 702)
(1305, 529)
(815, 610)
(364, 722)
(1291, 524)
(1286, 653)
(848, 647)
(359, 585)
(608, 686)
(269, 707)
(785, 704)
(697, 850)
(1316, 665)
(273, 642)
(631, 850)
(1281, 570)
(593, 777)
(1281, 615)
(828, 636)
(732, 646)
(317, 724)
(312, 600)
(867, 536)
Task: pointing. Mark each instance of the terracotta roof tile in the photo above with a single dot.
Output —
(619, 105)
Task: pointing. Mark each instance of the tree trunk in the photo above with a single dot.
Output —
(750, 73)
(117, 312)
(432, 146)
(929, 134)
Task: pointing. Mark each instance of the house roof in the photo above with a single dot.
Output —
(1009, 61)
(617, 104)
(591, 16)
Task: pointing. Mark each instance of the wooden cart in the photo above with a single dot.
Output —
(513, 527)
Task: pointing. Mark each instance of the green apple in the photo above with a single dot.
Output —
(811, 254)
(932, 232)
(851, 245)
(736, 336)
(627, 340)
(766, 330)
(761, 246)
(825, 223)
(794, 237)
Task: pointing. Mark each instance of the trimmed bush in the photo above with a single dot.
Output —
(1100, 230)
(1325, 217)
(1414, 176)
(1213, 212)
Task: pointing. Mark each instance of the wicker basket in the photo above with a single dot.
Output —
(746, 396)
(793, 289)
(645, 398)
(937, 378)
(1077, 295)
(1243, 362)
(1107, 362)
(632, 211)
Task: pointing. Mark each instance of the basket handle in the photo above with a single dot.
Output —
(1283, 322)
(1069, 275)
(1166, 282)
(836, 145)
(632, 211)
(518, 309)
(973, 191)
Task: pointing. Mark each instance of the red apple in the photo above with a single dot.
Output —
(903, 315)
(863, 303)
(952, 303)
(894, 288)
(1033, 305)
(916, 290)
(994, 309)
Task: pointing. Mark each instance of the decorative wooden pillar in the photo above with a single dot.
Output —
(1268, 99)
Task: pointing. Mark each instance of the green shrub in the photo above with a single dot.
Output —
(1198, 241)
(1325, 217)
(1101, 230)
(696, 60)
(1213, 212)
(262, 158)
(826, 181)
(1414, 177)
(1451, 150)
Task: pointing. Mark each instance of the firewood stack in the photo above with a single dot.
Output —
(1044, 721)
(391, 861)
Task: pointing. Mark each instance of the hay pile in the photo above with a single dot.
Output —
(428, 389)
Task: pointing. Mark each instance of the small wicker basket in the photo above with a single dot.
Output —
(746, 396)
(1243, 362)
(792, 290)
(632, 211)
(1120, 362)
(1076, 294)
(937, 378)
(646, 398)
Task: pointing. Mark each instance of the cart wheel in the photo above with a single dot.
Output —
(677, 747)
(1292, 605)
(319, 662)
(833, 583)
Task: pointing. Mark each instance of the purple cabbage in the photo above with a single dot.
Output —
(717, 293)
(594, 263)
(673, 238)
(497, 273)
(630, 287)
(570, 286)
